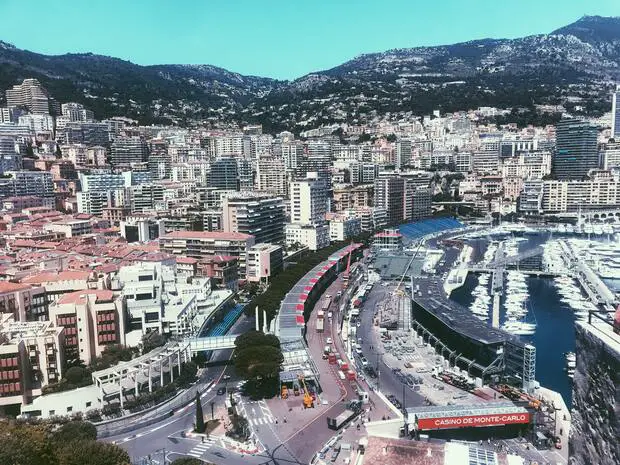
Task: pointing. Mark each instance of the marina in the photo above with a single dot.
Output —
(541, 301)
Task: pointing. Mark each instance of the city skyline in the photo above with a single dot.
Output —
(248, 39)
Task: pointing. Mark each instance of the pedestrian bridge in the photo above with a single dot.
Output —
(502, 262)
(201, 344)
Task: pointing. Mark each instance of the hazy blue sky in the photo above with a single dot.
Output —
(278, 38)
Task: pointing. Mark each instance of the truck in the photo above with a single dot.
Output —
(338, 422)
(320, 324)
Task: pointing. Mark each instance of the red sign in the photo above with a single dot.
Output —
(473, 421)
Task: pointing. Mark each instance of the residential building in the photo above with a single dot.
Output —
(159, 160)
(70, 227)
(271, 176)
(37, 183)
(363, 173)
(576, 149)
(222, 270)
(351, 198)
(264, 260)
(615, 114)
(127, 150)
(389, 195)
(92, 320)
(103, 181)
(17, 204)
(31, 95)
(25, 302)
(530, 199)
(76, 112)
(314, 237)
(203, 244)
(527, 165)
(87, 133)
(485, 162)
(403, 153)
(37, 123)
(261, 216)
(31, 358)
(417, 201)
(610, 155)
(463, 162)
(343, 228)
(223, 174)
(308, 200)
(141, 229)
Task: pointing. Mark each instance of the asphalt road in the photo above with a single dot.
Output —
(152, 439)
(387, 382)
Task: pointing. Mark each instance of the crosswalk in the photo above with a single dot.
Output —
(261, 420)
(201, 448)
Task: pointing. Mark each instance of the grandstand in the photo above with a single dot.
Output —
(418, 229)
(229, 319)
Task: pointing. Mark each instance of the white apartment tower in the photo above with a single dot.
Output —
(308, 200)
(615, 114)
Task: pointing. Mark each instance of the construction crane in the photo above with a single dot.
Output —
(308, 401)
(399, 292)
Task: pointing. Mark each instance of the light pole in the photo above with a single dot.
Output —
(378, 354)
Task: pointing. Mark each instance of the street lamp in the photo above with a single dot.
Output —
(377, 353)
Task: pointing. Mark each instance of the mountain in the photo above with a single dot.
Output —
(111, 86)
(574, 66)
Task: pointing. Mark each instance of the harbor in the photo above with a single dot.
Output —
(535, 283)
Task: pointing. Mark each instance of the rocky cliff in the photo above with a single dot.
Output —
(595, 428)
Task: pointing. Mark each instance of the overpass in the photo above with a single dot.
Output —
(201, 344)
(507, 260)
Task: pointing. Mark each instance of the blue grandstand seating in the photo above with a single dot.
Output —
(421, 228)
(223, 326)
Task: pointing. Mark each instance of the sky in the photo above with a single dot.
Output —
(283, 39)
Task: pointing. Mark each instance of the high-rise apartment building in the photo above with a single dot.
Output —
(403, 153)
(31, 95)
(76, 112)
(88, 133)
(223, 174)
(576, 149)
(363, 173)
(308, 200)
(127, 150)
(37, 183)
(92, 319)
(261, 216)
(615, 114)
(271, 176)
(31, 357)
(389, 195)
(159, 161)
(202, 244)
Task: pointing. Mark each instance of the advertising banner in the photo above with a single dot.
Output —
(473, 421)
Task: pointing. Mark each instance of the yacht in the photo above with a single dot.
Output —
(519, 328)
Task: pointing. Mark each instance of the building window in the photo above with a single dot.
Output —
(88, 404)
(52, 412)
(69, 409)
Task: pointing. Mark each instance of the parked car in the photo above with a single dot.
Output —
(221, 391)
(328, 340)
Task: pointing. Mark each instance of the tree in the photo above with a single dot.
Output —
(200, 421)
(187, 461)
(76, 374)
(75, 431)
(257, 359)
(92, 453)
(25, 444)
(152, 340)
